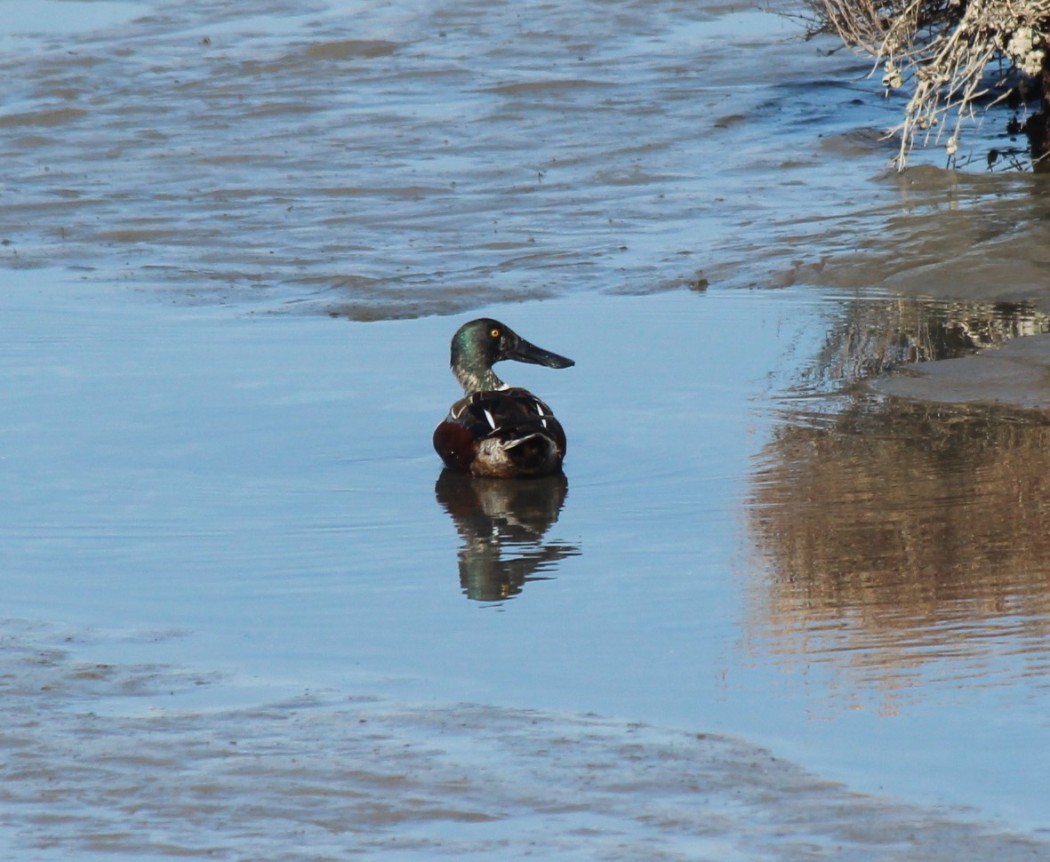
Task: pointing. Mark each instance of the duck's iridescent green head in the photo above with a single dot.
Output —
(478, 345)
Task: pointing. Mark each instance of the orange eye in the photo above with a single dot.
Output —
(494, 333)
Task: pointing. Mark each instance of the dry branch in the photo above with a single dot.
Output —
(951, 54)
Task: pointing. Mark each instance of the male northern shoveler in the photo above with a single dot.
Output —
(495, 429)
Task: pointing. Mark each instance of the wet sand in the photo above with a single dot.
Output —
(965, 239)
(1014, 376)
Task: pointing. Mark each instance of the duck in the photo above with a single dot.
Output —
(496, 430)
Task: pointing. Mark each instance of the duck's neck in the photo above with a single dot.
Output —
(473, 367)
(476, 379)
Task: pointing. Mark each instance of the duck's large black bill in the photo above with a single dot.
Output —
(523, 351)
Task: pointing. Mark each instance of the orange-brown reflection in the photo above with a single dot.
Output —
(899, 534)
(502, 523)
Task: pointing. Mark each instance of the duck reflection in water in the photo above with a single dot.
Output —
(502, 525)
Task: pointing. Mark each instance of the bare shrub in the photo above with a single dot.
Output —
(952, 55)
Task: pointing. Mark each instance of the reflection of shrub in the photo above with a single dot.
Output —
(876, 337)
(900, 533)
(951, 55)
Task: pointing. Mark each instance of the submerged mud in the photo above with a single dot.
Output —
(110, 760)
(392, 163)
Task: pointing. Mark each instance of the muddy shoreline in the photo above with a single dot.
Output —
(106, 760)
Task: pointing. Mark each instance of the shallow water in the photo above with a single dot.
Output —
(252, 543)
(223, 526)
